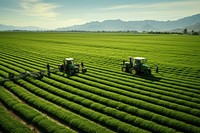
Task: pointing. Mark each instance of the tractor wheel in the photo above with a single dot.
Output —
(133, 71)
(123, 69)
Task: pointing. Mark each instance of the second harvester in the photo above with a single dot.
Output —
(136, 65)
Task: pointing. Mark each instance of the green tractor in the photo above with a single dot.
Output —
(136, 65)
(70, 68)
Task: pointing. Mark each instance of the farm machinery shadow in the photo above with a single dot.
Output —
(153, 77)
(149, 77)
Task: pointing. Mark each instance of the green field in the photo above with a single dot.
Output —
(105, 99)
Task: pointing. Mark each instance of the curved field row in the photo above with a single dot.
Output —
(182, 79)
(138, 83)
(73, 120)
(29, 113)
(142, 87)
(180, 83)
(156, 129)
(104, 99)
(7, 65)
(9, 123)
(97, 117)
(145, 124)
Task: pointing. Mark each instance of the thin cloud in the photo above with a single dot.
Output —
(9, 9)
(154, 6)
(38, 8)
(116, 7)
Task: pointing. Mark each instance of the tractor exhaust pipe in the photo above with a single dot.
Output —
(131, 61)
(123, 62)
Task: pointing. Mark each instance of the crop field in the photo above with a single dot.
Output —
(105, 99)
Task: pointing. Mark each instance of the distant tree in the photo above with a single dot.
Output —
(192, 32)
(185, 31)
(195, 33)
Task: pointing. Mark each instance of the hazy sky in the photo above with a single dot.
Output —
(52, 14)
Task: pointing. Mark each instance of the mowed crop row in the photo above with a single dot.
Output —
(105, 97)
(137, 83)
(111, 97)
(178, 86)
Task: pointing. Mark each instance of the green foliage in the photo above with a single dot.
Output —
(104, 99)
(27, 112)
(10, 123)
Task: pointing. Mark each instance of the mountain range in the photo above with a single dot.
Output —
(191, 23)
(11, 28)
(195, 27)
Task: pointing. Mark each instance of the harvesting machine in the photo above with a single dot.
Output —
(136, 65)
(13, 77)
(68, 67)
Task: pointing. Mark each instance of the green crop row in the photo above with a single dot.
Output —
(183, 81)
(184, 102)
(165, 79)
(136, 93)
(195, 112)
(108, 91)
(38, 59)
(92, 115)
(178, 125)
(102, 108)
(157, 118)
(178, 86)
(106, 45)
(148, 81)
(133, 82)
(28, 113)
(154, 128)
(131, 119)
(138, 82)
(58, 112)
(9, 123)
(162, 84)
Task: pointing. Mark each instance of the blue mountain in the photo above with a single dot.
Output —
(146, 25)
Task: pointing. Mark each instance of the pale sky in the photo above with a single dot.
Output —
(51, 14)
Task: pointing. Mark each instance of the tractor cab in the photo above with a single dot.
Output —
(68, 62)
(139, 61)
(70, 68)
(136, 65)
